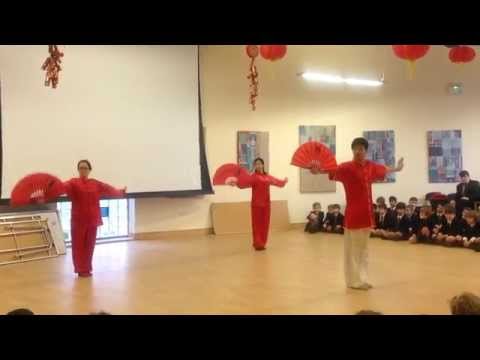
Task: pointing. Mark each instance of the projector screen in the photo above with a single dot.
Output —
(133, 111)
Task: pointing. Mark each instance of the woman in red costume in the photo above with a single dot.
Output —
(85, 194)
(260, 183)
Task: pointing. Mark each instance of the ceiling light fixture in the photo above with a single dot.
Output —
(333, 79)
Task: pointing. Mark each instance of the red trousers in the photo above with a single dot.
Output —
(83, 244)
(260, 225)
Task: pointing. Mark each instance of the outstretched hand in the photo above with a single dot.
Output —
(400, 164)
(232, 181)
(285, 180)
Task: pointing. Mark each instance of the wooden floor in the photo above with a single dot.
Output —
(298, 274)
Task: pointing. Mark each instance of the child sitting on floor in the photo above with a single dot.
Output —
(411, 221)
(436, 221)
(413, 201)
(399, 227)
(334, 221)
(382, 221)
(424, 226)
(450, 233)
(471, 230)
(393, 205)
(315, 219)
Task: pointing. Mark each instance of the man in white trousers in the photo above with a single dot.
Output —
(357, 177)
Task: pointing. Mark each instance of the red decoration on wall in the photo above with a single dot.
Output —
(461, 54)
(411, 53)
(52, 66)
(252, 52)
(273, 52)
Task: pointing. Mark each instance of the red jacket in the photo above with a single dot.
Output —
(85, 195)
(357, 180)
(260, 184)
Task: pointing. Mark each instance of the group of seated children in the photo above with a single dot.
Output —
(317, 221)
(422, 225)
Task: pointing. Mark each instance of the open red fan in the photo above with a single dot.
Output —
(314, 152)
(227, 171)
(36, 188)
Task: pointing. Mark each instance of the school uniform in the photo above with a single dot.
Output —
(451, 229)
(383, 222)
(410, 225)
(314, 225)
(424, 223)
(469, 232)
(400, 224)
(333, 221)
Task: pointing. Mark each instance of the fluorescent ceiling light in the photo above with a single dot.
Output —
(333, 79)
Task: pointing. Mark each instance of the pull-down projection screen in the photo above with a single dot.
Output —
(133, 111)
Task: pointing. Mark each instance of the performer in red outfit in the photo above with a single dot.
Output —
(85, 195)
(357, 177)
(260, 183)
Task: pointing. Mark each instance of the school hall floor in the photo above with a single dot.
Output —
(298, 274)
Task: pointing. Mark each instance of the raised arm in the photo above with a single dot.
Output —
(277, 182)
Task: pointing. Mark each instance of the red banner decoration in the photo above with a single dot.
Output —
(461, 54)
(411, 53)
(52, 66)
(252, 52)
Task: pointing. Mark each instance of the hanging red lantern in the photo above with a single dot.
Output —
(273, 52)
(461, 54)
(411, 53)
(252, 52)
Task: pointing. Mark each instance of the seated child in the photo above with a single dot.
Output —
(471, 230)
(334, 221)
(413, 201)
(393, 204)
(436, 221)
(411, 222)
(424, 226)
(315, 219)
(399, 228)
(450, 233)
(380, 201)
(382, 221)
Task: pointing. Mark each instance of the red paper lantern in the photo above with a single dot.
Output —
(410, 53)
(252, 51)
(461, 54)
(273, 52)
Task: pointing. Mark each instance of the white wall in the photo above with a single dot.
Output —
(285, 102)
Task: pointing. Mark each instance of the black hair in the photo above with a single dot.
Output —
(86, 162)
(337, 206)
(21, 312)
(413, 198)
(360, 141)
(464, 173)
(368, 312)
(381, 199)
(449, 210)
(401, 206)
(100, 313)
(392, 198)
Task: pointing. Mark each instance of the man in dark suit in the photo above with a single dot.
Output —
(468, 191)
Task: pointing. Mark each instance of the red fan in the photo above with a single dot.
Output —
(227, 171)
(314, 153)
(36, 188)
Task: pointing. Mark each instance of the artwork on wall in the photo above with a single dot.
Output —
(310, 183)
(381, 149)
(444, 156)
(250, 145)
